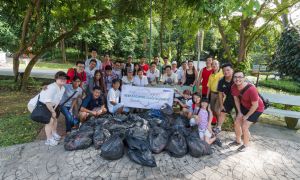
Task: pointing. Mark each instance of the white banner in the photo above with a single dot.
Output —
(146, 97)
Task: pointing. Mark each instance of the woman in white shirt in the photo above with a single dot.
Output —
(140, 79)
(153, 74)
(51, 97)
(128, 80)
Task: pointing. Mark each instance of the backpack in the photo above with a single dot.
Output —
(264, 100)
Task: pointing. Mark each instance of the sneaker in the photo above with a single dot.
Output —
(242, 148)
(51, 142)
(234, 143)
(218, 142)
(56, 137)
(217, 130)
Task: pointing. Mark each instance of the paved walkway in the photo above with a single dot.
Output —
(39, 73)
(268, 158)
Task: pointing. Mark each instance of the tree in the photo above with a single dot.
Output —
(287, 56)
(42, 33)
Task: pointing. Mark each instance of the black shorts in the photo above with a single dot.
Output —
(254, 117)
(228, 106)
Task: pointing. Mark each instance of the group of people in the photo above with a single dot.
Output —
(93, 88)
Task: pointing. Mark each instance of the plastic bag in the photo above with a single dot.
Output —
(196, 146)
(100, 136)
(158, 139)
(77, 141)
(142, 157)
(138, 148)
(113, 148)
(177, 146)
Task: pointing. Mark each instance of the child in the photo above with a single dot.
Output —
(113, 98)
(203, 120)
(185, 101)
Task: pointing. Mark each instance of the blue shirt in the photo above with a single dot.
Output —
(90, 103)
(69, 90)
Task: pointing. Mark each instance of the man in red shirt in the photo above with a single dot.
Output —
(78, 71)
(249, 107)
(144, 66)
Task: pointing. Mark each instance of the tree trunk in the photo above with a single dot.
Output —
(224, 42)
(242, 45)
(285, 21)
(27, 71)
(162, 24)
(16, 64)
(63, 51)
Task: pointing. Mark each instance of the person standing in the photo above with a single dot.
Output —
(109, 76)
(157, 62)
(190, 75)
(143, 65)
(174, 67)
(106, 61)
(181, 71)
(69, 103)
(118, 69)
(94, 55)
(78, 71)
(204, 75)
(249, 107)
(225, 98)
(129, 63)
(90, 70)
(212, 93)
(51, 97)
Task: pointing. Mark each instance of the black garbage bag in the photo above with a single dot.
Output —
(166, 109)
(158, 139)
(196, 146)
(120, 117)
(118, 129)
(143, 157)
(86, 128)
(113, 148)
(138, 148)
(100, 136)
(177, 146)
(77, 141)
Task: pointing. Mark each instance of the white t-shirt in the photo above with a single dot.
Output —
(126, 81)
(140, 82)
(154, 75)
(53, 94)
(169, 79)
(113, 95)
(89, 73)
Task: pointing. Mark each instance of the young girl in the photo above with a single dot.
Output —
(185, 101)
(203, 119)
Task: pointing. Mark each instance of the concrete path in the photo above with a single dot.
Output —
(39, 73)
(271, 156)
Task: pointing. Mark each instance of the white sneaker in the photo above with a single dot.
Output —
(51, 142)
(56, 137)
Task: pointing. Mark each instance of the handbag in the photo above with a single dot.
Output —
(41, 113)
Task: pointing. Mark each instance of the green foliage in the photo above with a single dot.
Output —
(283, 85)
(287, 57)
(17, 129)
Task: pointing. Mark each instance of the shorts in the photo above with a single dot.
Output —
(214, 102)
(116, 107)
(228, 106)
(204, 133)
(254, 117)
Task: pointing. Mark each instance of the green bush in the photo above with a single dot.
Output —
(287, 57)
(55, 55)
(283, 85)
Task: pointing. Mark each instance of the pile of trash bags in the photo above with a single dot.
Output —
(140, 136)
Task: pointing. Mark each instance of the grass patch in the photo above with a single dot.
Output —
(15, 124)
(51, 65)
(282, 85)
(228, 124)
(284, 107)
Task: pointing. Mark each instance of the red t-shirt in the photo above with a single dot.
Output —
(145, 68)
(205, 75)
(71, 73)
(248, 97)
